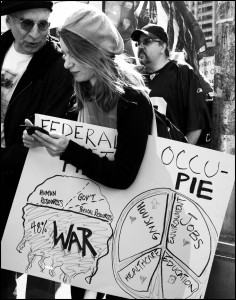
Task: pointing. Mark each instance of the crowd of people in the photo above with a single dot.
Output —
(87, 77)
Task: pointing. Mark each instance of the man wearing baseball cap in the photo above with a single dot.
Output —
(175, 88)
(33, 80)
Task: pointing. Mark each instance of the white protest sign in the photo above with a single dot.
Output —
(207, 67)
(156, 240)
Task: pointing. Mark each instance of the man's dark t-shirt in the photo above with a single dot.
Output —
(180, 96)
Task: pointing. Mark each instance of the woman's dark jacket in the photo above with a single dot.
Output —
(45, 88)
(134, 119)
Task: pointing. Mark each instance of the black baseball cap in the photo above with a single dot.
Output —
(8, 7)
(151, 30)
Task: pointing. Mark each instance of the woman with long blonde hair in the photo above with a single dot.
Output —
(109, 92)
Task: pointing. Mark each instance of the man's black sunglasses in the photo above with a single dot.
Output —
(146, 42)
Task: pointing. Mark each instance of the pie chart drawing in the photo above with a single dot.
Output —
(67, 226)
(163, 244)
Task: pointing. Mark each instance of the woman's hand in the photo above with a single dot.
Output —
(55, 143)
(28, 140)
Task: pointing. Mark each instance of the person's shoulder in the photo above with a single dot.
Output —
(135, 96)
(50, 60)
(53, 45)
(181, 65)
(184, 70)
(51, 53)
(135, 100)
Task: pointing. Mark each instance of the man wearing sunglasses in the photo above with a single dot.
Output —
(33, 80)
(175, 88)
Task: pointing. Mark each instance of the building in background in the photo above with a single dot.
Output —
(205, 13)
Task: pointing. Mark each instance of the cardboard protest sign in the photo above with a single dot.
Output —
(207, 67)
(156, 240)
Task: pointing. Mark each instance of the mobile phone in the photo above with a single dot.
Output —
(31, 129)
